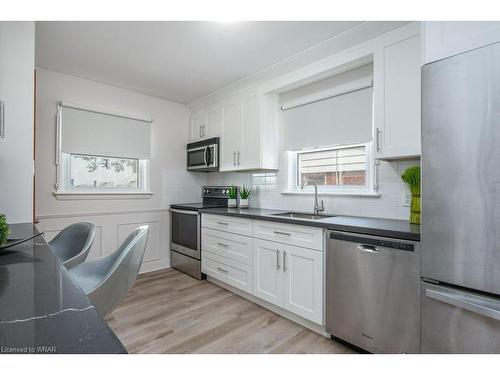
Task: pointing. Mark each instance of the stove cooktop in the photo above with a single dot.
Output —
(195, 206)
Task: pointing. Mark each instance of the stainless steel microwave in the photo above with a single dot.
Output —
(203, 156)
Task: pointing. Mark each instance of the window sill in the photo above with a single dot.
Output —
(87, 195)
(337, 194)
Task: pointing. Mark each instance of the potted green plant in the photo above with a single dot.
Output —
(232, 195)
(4, 229)
(411, 176)
(244, 194)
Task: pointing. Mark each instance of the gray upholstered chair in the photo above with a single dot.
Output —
(72, 244)
(107, 280)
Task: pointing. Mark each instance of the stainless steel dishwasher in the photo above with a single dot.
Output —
(373, 292)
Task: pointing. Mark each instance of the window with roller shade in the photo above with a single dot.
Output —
(102, 151)
(328, 131)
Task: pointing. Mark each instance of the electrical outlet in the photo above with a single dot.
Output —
(405, 199)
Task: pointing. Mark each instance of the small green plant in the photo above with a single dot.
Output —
(245, 192)
(4, 229)
(232, 192)
(411, 176)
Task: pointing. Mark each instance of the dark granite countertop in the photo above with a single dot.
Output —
(42, 309)
(400, 229)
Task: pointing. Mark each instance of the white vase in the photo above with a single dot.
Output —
(231, 203)
(243, 203)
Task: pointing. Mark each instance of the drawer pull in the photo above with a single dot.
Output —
(222, 223)
(277, 259)
(222, 270)
(284, 261)
(283, 233)
(222, 244)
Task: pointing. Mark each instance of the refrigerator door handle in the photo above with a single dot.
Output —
(463, 303)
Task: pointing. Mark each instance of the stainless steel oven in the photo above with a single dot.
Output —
(203, 156)
(185, 241)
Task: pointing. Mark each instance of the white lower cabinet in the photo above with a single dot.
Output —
(303, 283)
(290, 277)
(285, 275)
(267, 271)
(229, 271)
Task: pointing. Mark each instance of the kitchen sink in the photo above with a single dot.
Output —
(301, 215)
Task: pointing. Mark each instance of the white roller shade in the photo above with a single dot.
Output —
(343, 119)
(334, 111)
(95, 133)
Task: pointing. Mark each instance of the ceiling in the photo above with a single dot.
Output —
(179, 61)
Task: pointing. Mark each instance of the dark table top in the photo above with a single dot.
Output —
(42, 309)
(400, 229)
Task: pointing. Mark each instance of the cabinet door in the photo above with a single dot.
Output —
(267, 271)
(231, 135)
(303, 282)
(249, 157)
(213, 122)
(400, 135)
(197, 127)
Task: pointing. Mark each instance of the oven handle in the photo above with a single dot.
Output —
(183, 211)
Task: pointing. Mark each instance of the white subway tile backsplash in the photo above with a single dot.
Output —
(268, 186)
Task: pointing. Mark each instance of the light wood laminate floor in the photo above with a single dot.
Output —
(169, 312)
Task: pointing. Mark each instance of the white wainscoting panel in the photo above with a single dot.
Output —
(112, 228)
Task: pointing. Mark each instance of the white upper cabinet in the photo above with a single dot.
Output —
(398, 136)
(205, 124)
(249, 138)
(443, 39)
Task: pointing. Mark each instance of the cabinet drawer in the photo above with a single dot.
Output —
(297, 235)
(229, 245)
(229, 271)
(227, 224)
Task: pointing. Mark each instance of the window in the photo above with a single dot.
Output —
(101, 153)
(333, 167)
(88, 171)
(340, 169)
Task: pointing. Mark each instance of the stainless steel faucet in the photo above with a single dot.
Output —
(317, 208)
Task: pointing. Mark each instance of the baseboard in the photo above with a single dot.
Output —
(278, 310)
(154, 266)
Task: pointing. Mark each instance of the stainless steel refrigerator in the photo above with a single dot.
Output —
(460, 287)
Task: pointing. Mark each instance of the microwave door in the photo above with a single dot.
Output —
(197, 158)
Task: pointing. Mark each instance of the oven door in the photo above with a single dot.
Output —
(185, 232)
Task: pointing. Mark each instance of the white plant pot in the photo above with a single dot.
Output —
(231, 203)
(243, 203)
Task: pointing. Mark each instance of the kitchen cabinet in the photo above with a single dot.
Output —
(205, 124)
(442, 39)
(398, 135)
(267, 271)
(239, 251)
(303, 283)
(290, 277)
(249, 135)
(17, 66)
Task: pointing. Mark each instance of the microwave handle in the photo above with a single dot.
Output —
(205, 156)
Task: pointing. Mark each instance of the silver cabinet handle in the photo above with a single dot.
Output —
(471, 304)
(277, 259)
(222, 223)
(238, 157)
(200, 131)
(2, 119)
(284, 261)
(283, 233)
(367, 248)
(234, 158)
(222, 270)
(222, 244)
(377, 138)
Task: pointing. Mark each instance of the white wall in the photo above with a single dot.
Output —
(17, 63)
(388, 205)
(169, 182)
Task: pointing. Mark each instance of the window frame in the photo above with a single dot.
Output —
(369, 188)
